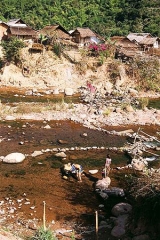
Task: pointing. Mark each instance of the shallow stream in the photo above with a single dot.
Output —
(39, 177)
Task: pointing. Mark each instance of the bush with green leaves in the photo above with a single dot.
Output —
(43, 234)
(146, 71)
(11, 49)
(58, 49)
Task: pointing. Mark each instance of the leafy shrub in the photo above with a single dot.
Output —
(113, 70)
(147, 73)
(43, 234)
(11, 49)
(1, 63)
(143, 102)
(57, 49)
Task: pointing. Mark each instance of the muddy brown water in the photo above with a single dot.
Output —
(38, 179)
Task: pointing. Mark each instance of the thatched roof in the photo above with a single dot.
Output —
(55, 30)
(138, 37)
(84, 32)
(3, 24)
(22, 31)
(124, 42)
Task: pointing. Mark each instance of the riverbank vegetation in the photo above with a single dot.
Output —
(144, 193)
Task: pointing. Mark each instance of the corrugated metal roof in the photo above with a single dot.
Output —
(138, 37)
(149, 41)
(16, 22)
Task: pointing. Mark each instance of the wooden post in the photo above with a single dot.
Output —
(105, 171)
(96, 225)
(44, 215)
(136, 135)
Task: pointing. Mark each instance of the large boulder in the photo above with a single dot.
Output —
(14, 158)
(119, 229)
(103, 184)
(121, 208)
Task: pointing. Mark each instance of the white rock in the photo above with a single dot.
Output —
(47, 127)
(14, 158)
(103, 183)
(36, 153)
(56, 91)
(61, 154)
(68, 91)
(10, 118)
(94, 171)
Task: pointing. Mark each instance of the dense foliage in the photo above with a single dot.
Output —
(106, 17)
(11, 49)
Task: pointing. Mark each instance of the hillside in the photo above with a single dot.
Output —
(47, 71)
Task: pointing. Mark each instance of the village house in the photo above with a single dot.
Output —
(125, 43)
(19, 29)
(84, 36)
(126, 50)
(3, 31)
(55, 31)
(145, 40)
(16, 23)
(148, 43)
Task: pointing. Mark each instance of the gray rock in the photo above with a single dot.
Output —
(118, 231)
(141, 237)
(121, 208)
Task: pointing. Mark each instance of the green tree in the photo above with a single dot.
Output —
(11, 49)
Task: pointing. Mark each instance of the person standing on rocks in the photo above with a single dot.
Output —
(107, 165)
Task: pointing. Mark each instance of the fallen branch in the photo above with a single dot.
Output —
(150, 136)
(151, 153)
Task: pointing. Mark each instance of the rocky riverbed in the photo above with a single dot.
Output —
(85, 133)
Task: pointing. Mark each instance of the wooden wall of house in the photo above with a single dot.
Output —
(3, 30)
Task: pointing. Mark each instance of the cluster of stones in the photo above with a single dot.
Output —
(10, 208)
(96, 110)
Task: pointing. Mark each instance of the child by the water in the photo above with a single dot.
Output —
(107, 168)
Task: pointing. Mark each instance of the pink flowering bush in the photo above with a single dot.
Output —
(98, 49)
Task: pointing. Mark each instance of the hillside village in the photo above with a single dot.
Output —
(133, 43)
(76, 65)
(79, 67)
